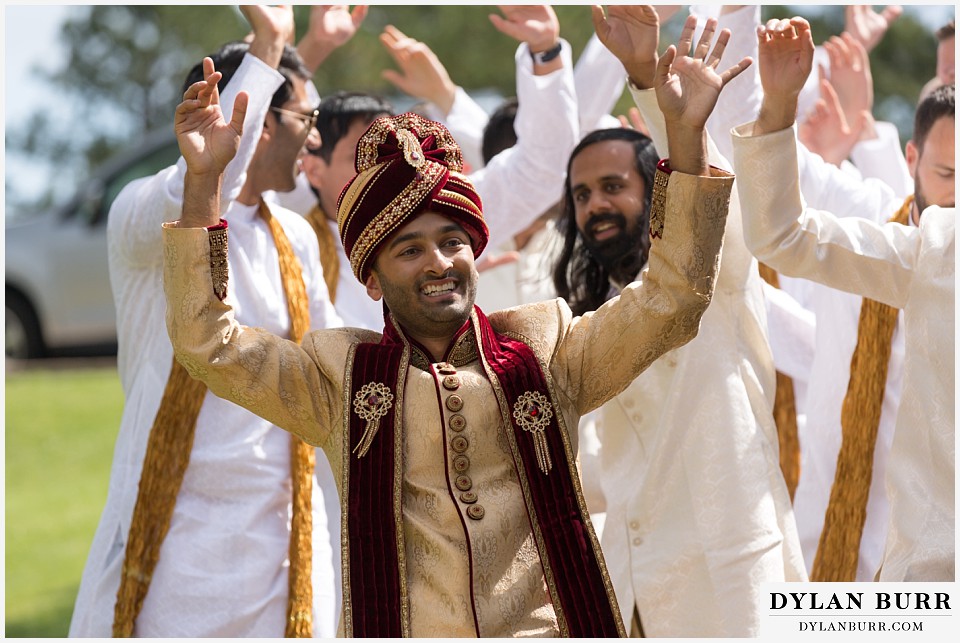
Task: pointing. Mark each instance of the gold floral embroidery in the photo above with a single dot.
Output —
(371, 403)
(658, 203)
(464, 352)
(218, 262)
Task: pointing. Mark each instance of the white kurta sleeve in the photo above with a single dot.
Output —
(134, 226)
(740, 100)
(521, 182)
(855, 255)
(599, 78)
(260, 81)
(793, 333)
(881, 158)
(466, 121)
(826, 187)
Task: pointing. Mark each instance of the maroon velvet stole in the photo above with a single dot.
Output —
(374, 599)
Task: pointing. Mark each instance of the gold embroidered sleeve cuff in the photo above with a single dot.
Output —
(218, 258)
(658, 202)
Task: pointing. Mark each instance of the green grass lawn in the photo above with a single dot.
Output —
(60, 430)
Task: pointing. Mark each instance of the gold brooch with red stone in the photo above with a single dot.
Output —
(371, 403)
(533, 412)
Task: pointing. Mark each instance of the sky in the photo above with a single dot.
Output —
(31, 39)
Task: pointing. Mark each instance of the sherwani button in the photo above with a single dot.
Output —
(463, 483)
(459, 444)
(446, 369)
(451, 382)
(454, 403)
(468, 497)
(475, 512)
(458, 422)
(461, 463)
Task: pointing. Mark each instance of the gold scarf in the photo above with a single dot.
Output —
(167, 457)
(785, 412)
(839, 548)
(329, 257)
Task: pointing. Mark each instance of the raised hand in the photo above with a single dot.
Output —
(687, 83)
(786, 55)
(421, 74)
(207, 142)
(632, 34)
(868, 26)
(850, 75)
(272, 28)
(331, 26)
(634, 120)
(826, 130)
(536, 25)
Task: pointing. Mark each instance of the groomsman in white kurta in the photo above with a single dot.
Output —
(697, 510)
(222, 567)
(911, 268)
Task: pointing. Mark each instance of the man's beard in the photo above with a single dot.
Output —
(406, 308)
(919, 198)
(611, 253)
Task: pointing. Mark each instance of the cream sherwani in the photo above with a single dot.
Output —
(464, 577)
(698, 514)
(908, 268)
(222, 568)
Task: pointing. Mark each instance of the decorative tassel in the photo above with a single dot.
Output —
(533, 412)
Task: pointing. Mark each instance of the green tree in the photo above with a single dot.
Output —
(120, 77)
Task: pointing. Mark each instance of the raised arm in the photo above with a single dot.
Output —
(868, 26)
(331, 26)
(687, 220)
(853, 254)
(135, 237)
(208, 143)
(272, 377)
(786, 58)
(421, 74)
(685, 78)
(522, 182)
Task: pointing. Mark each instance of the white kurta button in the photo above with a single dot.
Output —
(634, 524)
(637, 542)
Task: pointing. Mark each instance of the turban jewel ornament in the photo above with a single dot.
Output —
(406, 165)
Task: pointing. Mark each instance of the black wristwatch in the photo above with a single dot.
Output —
(546, 56)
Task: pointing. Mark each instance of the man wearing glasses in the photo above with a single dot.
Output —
(195, 539)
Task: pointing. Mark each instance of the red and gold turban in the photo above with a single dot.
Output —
(406, 165)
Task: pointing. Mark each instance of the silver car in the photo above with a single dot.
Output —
(58, 297)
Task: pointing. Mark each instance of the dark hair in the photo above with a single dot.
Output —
(340, 111)
(578, 276)
(498, 134)
(939, 104)
(946, 31)
(227, 60)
